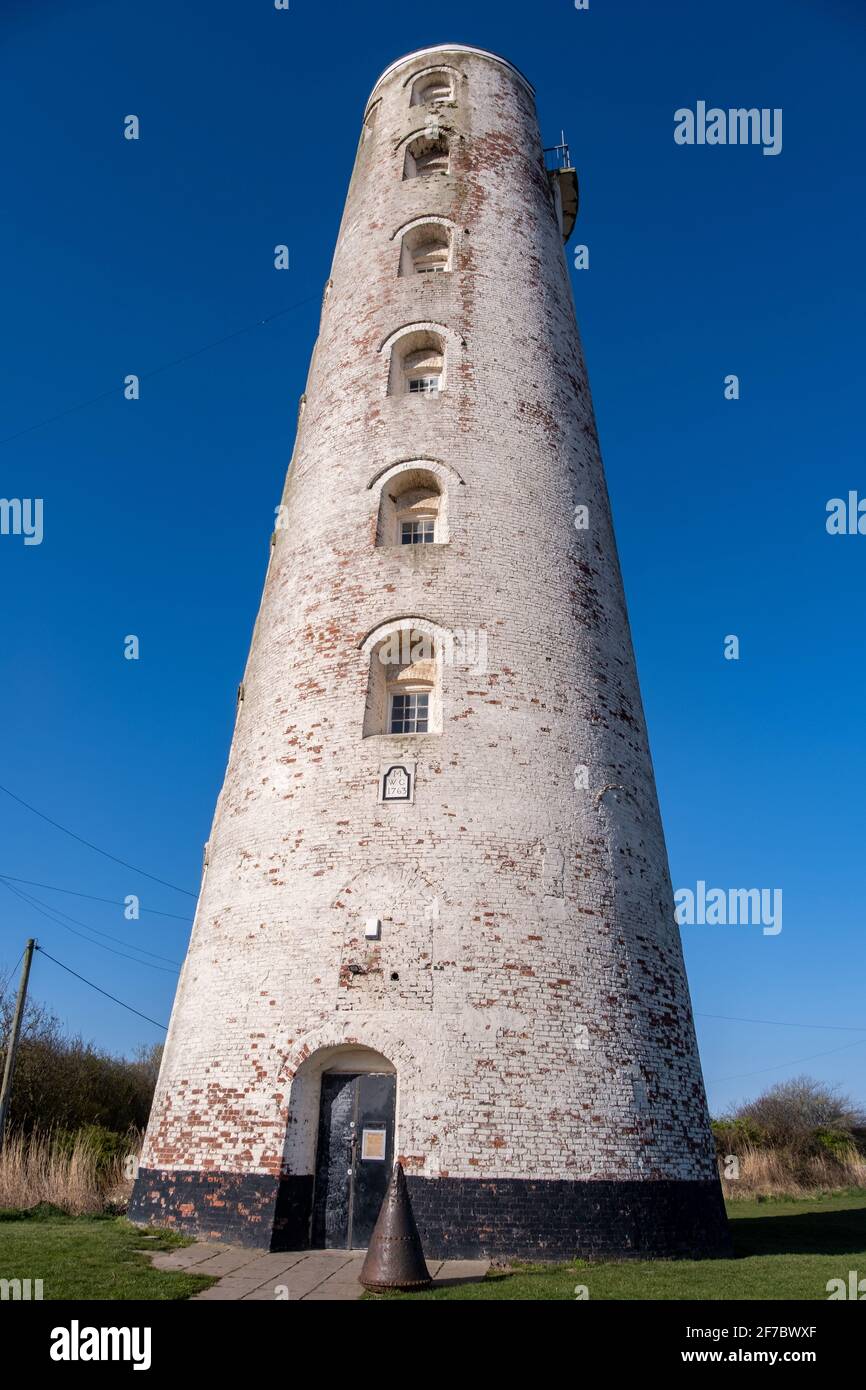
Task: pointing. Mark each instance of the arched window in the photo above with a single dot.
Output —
(426, 156)
(370, 119)
(411, 510)
(417, 365)
(426, 249)
(432, 87)
(414, 490)
(404, 690)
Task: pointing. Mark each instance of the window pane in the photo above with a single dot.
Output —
(432, 256)
(409, 713)
(424, 385)
(418, 532)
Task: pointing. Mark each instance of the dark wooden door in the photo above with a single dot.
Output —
(354, 1158)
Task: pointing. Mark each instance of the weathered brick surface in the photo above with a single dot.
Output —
(540, 1022)
(241, 1208)
(473, 1218)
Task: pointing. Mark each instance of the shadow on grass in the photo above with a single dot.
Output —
(44, 1211)
(801, 1233)
(460, 1283)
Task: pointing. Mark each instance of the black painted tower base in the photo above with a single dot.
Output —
(458, 1218)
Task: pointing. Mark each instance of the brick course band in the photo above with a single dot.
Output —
(458, 1218)
(250, 1209)
(513, 1219)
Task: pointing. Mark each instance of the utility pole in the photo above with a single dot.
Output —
(14, 1036)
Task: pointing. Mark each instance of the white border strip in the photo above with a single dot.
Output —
(451, 48)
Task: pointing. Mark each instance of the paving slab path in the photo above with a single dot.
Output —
(293, 1276)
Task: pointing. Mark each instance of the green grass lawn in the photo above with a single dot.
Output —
(85, 1257)
(782, 1249)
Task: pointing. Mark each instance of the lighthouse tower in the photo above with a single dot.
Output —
(436, 921)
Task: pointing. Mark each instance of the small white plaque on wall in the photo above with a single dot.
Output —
(373, 1145)
(397, 782)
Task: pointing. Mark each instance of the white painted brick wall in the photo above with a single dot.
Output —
(540, 1026)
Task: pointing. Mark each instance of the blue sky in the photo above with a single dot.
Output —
(125, 256)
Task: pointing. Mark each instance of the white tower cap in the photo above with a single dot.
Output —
(453, 48)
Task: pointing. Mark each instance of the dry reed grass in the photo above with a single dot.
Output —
(37, 1168)
(779, 1172)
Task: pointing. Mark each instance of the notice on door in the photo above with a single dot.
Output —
(373, 1144)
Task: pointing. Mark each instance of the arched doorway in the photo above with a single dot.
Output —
(355, 1146)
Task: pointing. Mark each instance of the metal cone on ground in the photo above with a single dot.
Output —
(395, 1258)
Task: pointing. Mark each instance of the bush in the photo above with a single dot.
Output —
(107, 1146)
(837, 1143)
(793, 1111)
(732, 1135)
(64, 1084)
(798, 1138)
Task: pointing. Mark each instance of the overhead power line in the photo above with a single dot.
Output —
(775, 1023)
(73, 893)
(176, 362)
(795, 1062)
(5, 984)
(99, 990)
(54, 915)
(90, 845)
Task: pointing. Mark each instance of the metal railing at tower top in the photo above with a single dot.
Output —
(561, 154)
(563, 180)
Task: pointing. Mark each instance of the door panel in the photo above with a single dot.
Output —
(374, 1153)
(333, 1186)
(354, 1159)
